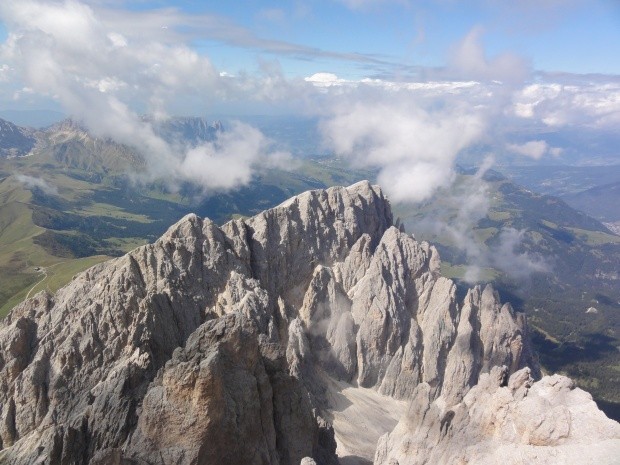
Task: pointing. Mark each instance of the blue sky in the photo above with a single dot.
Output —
(576, 37)
(552, 35)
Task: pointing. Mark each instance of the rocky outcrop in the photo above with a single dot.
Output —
(504, 420)
(219, 344)
(221, 386)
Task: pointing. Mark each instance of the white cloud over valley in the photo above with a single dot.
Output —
(414, 147)
(33, 182)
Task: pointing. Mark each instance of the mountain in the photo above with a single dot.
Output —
(72, 200)
(591, 189)
(508, 420)
(70, 204)
(600, 201)
(70, 145)
(551, 261)
(266, 340)
(185, 130)
(15, 141)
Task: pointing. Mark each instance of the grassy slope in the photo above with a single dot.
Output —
(20, 255)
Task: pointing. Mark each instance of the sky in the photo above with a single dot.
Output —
(403, 86)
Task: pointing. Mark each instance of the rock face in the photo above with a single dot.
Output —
(504, 420)
(216, 344)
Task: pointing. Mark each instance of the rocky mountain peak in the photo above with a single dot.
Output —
(15, 141)
(68, 127)
(251, 343)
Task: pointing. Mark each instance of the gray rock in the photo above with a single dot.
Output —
(217, 388)
(509, 421)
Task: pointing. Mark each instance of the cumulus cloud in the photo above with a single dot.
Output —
(594, 105)
(231, 158)
(535, 149)
(413, 145)
(32, 182)
(413, 131)
(325, 80)
(469, 60)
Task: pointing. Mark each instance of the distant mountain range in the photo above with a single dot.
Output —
(600, 201)
(188, 129)
(73, 145)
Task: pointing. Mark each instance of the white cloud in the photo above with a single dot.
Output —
(535, 149)
(325, 80)
(31, 182)
(130, 62)
(101, 71)
(230, 160)
(470, 61)
(517, 264)
(462, 206)
(414, 146)
(456, 217)
(591, 104)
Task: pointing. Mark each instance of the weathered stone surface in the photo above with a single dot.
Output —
(80, 364)
(508, 421)
(217, 388)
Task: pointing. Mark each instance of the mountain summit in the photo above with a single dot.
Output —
(290, 337)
